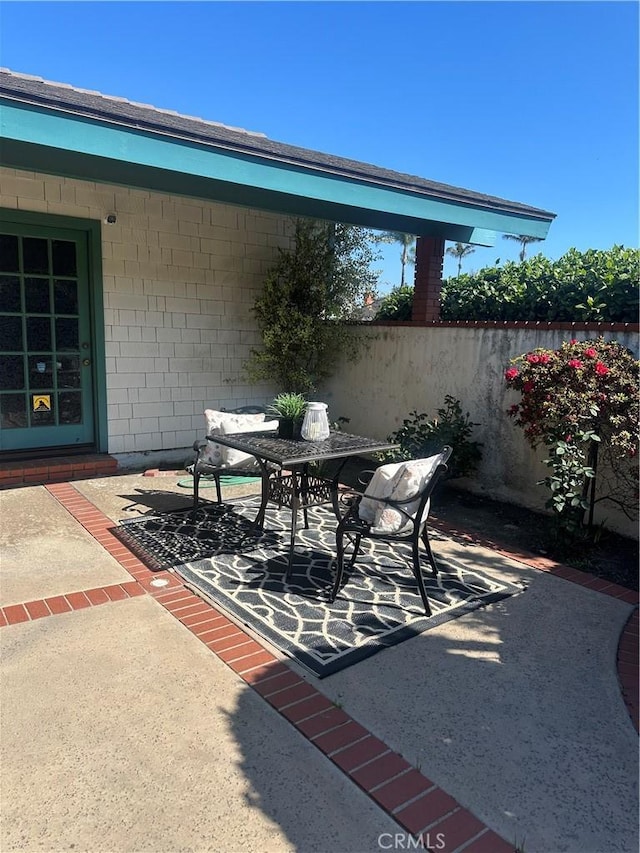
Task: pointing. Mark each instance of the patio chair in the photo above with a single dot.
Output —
(393, 508)
(213, 461)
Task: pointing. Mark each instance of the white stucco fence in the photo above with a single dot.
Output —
(406, 368)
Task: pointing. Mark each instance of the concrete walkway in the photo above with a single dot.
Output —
(125, 729)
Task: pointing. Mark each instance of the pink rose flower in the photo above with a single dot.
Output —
(590, 352)
(601, 369)
(576, 364)
(532, 358)
(511, 374)
(545, 359)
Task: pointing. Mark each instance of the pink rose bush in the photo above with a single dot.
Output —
(574, 400)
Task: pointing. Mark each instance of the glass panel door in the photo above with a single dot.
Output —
(46, 377)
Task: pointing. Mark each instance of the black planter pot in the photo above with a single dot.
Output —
(288, 428)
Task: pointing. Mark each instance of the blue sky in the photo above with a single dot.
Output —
(536, 102)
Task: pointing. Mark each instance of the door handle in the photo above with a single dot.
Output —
(86, 362)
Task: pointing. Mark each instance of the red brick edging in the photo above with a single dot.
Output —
(418, 805)
(559, 325)
(543, 564)
(12, 614)
(33, 472)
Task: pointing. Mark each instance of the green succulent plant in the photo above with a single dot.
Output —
(289, 406)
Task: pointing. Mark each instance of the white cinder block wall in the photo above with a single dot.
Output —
(180, 279)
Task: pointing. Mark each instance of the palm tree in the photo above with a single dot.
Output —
(460, 251)
(407, 241)
(524, 242)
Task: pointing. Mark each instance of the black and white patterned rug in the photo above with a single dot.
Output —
(221, 555)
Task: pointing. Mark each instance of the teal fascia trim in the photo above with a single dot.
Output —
(482, 237)
(84, 136)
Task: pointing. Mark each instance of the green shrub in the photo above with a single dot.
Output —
(419, 437)
(397, 305)
(310, 290)
(593, 285)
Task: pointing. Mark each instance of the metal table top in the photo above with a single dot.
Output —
(289, 452)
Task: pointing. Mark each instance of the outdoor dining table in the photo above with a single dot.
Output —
(285, 467)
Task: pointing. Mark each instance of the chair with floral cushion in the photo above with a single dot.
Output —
(214, 460)
(393, 508)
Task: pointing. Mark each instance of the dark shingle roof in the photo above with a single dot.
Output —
(60, 96)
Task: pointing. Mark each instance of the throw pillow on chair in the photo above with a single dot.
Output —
(213, 454)
(235, 423)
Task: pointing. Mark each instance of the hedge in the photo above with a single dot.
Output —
(600, 285)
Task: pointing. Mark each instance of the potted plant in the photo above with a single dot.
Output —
(289, 408)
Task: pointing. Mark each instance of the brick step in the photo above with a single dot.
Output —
(34, 472)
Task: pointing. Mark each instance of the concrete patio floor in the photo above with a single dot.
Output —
(123, 731)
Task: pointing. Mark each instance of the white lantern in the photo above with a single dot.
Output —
(315, 426)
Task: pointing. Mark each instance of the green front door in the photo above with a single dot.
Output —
(46, 352)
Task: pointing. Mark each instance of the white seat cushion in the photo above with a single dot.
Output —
(214, 454)
(236, 458)
(409, 480)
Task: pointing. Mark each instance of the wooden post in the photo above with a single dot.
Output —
(428, 279)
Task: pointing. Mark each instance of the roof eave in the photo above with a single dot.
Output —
(321, 191)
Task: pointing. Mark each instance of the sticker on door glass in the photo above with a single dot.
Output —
(42, 402)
